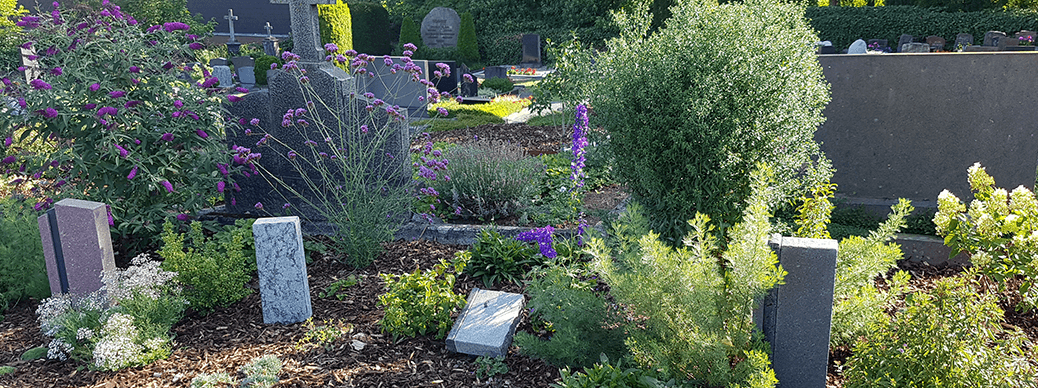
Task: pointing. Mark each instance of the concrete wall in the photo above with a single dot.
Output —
(909, 125)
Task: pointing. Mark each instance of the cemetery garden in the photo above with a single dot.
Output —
(625, 214)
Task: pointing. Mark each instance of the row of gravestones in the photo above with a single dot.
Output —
(795, 317)
(993, 41)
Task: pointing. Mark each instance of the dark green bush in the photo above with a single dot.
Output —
(574, 316)
(844, 25)
(336, 24)
(370, 28)
(688, 126)
(23, 273)
(467, 46)
(501, 85)
(262, 66)
(494, 258)
(409, 33)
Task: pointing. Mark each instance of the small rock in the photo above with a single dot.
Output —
(358, 346)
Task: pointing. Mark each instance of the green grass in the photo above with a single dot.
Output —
(465, 116)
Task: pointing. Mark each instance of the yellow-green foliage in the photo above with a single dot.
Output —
(9, 12)
(467, 46)
(421, 302)
(689, 308)
(500, 106)
(336, 25)
(213, 271)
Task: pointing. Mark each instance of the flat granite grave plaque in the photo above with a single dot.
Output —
(77, 246)
(486, 325)
(281, 266)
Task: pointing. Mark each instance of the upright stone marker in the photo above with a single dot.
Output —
(995, 39)
(858, 47)
(306, 34)
(963, 40)
(440, 28)
(903, 40)
(77, 246)
(531, 50)
(936, 43)
(244, 67)
(491, 72)
(486, 326)
(222, 72)
(233, 45)
(281, 266)
(796, 317)
(270, 43)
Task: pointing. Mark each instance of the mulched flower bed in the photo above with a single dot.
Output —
(228, 338)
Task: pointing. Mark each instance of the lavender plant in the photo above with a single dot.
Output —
(489, 179)
(353, 167)
(105, 118)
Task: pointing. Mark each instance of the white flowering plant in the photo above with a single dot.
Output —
(126, 323)
(999, 230)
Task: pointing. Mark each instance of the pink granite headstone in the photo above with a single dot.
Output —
(77, 246)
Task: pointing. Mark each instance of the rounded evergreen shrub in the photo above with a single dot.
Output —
(501, 85)
(409, 33)
(716, 91)
(370, 28)
(262, 66)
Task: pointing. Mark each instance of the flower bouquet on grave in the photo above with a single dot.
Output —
(1026, 40)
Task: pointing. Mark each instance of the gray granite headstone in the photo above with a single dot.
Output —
(219, 62)
(796, 317)
(995, 39)
(963, 40)
(243, 67)
(77, 246)
(271, 47)
(531, 50)
(440, 28)
(223, 73)
(936, 43)
(240, 62)
(281, 268)
(495, 72)
(858, 47)
(399, 88)
(447, 83)
(486, 325)
(468, 89)
(306, 34)
(903, 40)
(342, 108)
(915, 47)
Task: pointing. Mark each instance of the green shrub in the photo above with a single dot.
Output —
(843, 25)
(467, 45)
(23, 273)
(501, 85)
(263, 65)
(999, 231)
(409, 33)
(261, 372)
(152, 12)
(689, 125)
(688, 310)
(421, 302)
(144, 156)
(336, 24)
(856, 301)
(494, 258)
(489, 179)
(605, 374)
(577, 320)
(213, 271)
(949, 337)
(370, 28)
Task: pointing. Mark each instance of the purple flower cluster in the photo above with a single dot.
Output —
(544, 238)
(580, 129)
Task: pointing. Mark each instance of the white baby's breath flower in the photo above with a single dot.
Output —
(84, 334)
(58, 349)
(117, 348)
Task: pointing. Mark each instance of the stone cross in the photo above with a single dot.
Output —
(230, 21)
(306, 33)
(268, 28)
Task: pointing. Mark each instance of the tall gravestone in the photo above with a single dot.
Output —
(440, 28)
(222, 72)
(233, 45)
(281, 268)
(341, 94)
(531, 50)
(77, 246)
(244, 67)
(796, 317)
(270, 43)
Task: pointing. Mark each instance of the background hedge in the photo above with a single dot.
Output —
(844, 25)
(371, 32)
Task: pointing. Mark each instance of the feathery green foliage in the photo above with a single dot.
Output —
(23, 273)
(213, 271)
(689, 308)
(467, 45)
